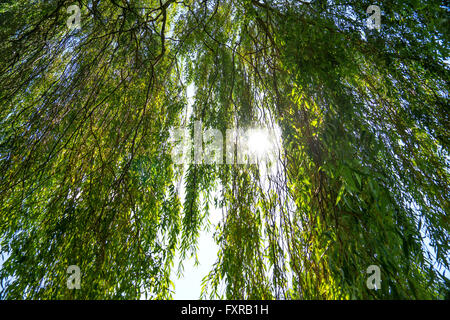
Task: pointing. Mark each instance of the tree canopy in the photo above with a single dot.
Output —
(362, 175)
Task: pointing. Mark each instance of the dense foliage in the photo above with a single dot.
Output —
(362, 174)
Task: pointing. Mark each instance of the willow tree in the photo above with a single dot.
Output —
(87, 177)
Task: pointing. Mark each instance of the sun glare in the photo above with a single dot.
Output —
(258, 142)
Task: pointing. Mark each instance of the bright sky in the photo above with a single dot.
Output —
(189, 286)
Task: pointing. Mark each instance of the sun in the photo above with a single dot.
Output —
(258, 142)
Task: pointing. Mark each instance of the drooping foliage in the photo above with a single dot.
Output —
(87, 177)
